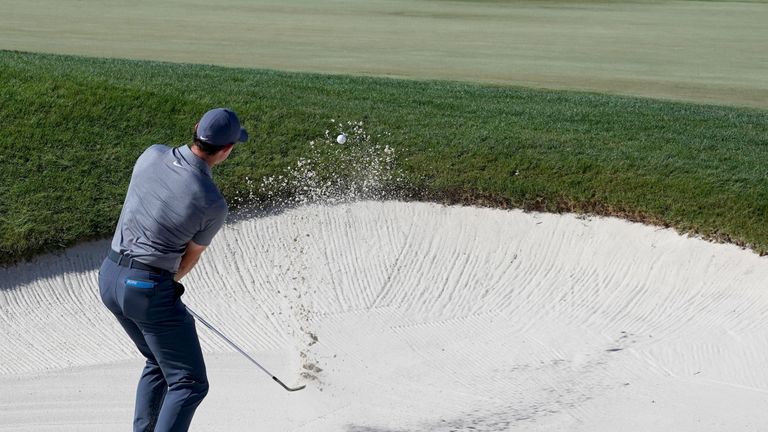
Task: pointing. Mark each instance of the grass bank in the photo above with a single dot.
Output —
(72, 127)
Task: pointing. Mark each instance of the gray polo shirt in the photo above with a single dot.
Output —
(171, 200)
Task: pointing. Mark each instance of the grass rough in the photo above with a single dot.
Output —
(73, 127)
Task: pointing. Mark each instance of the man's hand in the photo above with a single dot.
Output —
(189, 259)
(179, 288)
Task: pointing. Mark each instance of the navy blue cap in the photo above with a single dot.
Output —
(220, 127)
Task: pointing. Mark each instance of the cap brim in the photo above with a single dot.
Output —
(243, 135)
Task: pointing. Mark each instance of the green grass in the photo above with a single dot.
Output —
(711, 52)
(72, 127)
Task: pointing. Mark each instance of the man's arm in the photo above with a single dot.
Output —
(189, 259)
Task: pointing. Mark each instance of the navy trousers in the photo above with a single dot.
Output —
(174, 380)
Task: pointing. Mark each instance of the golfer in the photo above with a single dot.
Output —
(171, 213)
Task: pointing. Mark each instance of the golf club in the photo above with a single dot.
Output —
(232, 344)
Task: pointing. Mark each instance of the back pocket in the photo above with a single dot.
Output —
(137, 297)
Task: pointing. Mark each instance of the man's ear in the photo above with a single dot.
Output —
(224, 152)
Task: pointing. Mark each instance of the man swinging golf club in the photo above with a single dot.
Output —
(171, 213)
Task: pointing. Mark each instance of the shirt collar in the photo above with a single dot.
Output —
(194, 160)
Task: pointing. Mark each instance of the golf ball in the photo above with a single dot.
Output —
(341, 139)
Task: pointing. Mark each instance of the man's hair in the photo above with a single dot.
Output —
(206, 147)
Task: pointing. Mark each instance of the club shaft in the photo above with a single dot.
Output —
(233, 345)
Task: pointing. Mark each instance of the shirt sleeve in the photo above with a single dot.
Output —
(213, 223)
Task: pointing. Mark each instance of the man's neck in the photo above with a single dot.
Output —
(202, 155)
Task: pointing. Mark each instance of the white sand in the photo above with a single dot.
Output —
(427, 318)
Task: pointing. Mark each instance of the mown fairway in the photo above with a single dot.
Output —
(711, 51)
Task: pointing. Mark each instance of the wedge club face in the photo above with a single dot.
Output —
(302, 387)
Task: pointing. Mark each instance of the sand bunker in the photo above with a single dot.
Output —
(416, 317)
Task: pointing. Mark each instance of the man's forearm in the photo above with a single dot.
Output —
(189, 259)
(188, 262)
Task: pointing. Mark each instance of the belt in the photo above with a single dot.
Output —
(129, 262)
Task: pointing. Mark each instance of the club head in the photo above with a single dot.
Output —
(290, 389)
